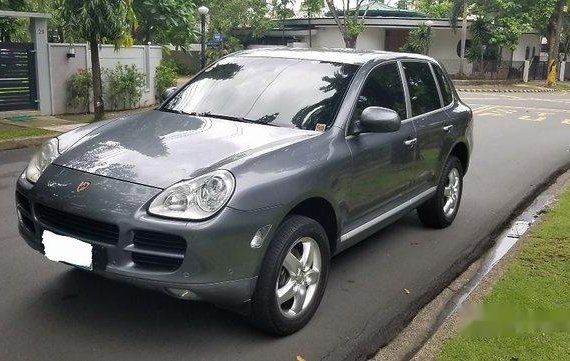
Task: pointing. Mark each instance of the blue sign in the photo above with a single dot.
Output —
(218, 38)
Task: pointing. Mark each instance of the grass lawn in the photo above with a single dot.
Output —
(88, 118)
(527, 314)
(11, 131)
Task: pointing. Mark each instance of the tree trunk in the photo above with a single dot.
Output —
(554, 32)
(98, 104)
(463, 40)
(310, 35)
(350, 41)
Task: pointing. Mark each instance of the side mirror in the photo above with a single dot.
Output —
(379, 120)
(167, 93)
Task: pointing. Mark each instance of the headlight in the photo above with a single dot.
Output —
(40, 161)
(195, 199)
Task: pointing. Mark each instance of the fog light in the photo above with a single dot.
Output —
(181, 293)
(259, 237)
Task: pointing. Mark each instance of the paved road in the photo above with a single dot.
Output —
(48, 311)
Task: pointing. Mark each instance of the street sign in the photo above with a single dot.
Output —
(218, 38)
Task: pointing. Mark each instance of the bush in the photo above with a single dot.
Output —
(166, 76)
(78, 89)
(125, 86)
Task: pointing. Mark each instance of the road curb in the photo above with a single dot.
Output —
(468, 90)
(23, 142)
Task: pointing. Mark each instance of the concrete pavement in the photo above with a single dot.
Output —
(49, 311)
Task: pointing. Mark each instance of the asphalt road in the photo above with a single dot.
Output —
(49, 311)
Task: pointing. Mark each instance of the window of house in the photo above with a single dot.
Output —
(421, 84)
(383, 88)
(444, 86)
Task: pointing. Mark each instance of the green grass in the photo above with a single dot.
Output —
(527, 314)
(12, 132)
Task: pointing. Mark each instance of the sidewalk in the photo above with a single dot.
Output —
(505, 86)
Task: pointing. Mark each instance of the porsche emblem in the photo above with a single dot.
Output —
(83, 186)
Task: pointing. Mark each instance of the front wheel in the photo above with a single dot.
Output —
(292, 278)
(440, 210)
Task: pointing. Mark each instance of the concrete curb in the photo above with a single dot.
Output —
(478, 90)
(23, 142)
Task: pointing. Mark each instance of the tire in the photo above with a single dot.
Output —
(432, 212)
(294, 237)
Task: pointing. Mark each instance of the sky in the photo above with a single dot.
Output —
(338, 3)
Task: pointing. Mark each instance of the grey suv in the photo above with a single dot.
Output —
(240, 187)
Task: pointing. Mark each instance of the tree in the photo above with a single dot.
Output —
(13, 29)
(98, 21)
(165, 22)
(434, 8)
(555, 25)
(311, 8)
(460, 9)
(419, 40)
(349, 20)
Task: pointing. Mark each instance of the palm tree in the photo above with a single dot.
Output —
(97, 21)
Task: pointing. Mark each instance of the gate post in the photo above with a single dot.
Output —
(38, 30)
(562, 71)
(526, 70)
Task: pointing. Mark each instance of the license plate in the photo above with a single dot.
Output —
(65, 249)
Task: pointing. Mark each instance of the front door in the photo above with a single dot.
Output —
(383, 163)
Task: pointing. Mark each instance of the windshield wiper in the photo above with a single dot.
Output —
(227, 117)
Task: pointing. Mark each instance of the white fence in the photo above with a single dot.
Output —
(61, 67)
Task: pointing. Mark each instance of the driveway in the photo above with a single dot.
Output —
(49, 311)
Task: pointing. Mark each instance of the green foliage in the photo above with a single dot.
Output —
(229, 45)
(125, 85)
(78, 89)
(419, 40)
(104, 20)
(228, 16)
(166, 22)
(312, 7)
(166, 76)
(14, 29)
(434, 8)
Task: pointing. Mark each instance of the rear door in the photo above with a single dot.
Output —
(429, 118)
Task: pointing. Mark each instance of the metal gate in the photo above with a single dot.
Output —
(17, 76)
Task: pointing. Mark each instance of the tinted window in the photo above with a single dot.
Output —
(423, 91)
(444, 86)
(276, 91)
(383, 88)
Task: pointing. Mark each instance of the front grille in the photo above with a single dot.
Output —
(23, 202)
(160, 242)
(156, 262)
(158, 250)
(78, 226)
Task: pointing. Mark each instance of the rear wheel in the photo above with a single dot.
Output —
(441, 209)
(292, 278)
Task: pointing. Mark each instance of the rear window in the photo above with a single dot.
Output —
(444, 86)
(421, 84)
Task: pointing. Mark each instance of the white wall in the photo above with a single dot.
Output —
(145, 58)
(525, 40)
(444, 49)
(329, 37)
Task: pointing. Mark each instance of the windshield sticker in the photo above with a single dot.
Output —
(320, 127)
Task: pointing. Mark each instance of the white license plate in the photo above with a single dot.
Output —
(68, 250)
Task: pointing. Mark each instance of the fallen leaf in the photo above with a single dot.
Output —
(299, 358)
(407, 291)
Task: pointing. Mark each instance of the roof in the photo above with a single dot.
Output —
(341, 55)
(22, 14)
(378, 9)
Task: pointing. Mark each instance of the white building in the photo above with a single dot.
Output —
(387, 28)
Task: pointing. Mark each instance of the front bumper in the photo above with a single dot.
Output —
(212, 259)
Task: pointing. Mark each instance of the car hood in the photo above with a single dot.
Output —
(159, 149)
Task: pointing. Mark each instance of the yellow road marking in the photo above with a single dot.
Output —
(529, 108)
(567, 122)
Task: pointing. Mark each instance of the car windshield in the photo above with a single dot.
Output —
(297, 93)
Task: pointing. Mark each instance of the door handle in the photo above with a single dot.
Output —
(448, 128)
(411, 142)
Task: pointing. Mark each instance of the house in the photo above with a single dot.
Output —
(387, 28)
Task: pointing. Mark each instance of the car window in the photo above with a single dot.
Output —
(421, 84)
(383, 88)
(444, 86)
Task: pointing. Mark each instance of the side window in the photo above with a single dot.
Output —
(444, 86)
(423, 91)
(383, 88)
